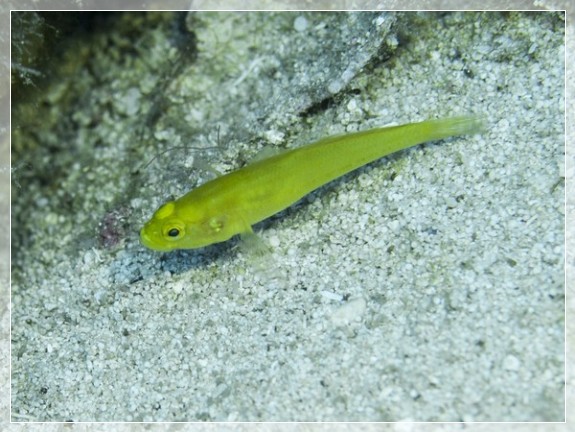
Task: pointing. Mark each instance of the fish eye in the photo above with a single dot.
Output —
(173, 230)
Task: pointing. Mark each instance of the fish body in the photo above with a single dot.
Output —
(231, 204)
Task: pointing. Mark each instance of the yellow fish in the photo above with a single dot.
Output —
(229, 205)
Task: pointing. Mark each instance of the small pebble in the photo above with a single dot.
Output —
(300, 24)
(349, 312)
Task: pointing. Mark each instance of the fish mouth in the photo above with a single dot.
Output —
(144, 238)
(148, 242)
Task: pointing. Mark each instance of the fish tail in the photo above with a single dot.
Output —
(463, 125)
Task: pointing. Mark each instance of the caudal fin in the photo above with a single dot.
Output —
(464, 125)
